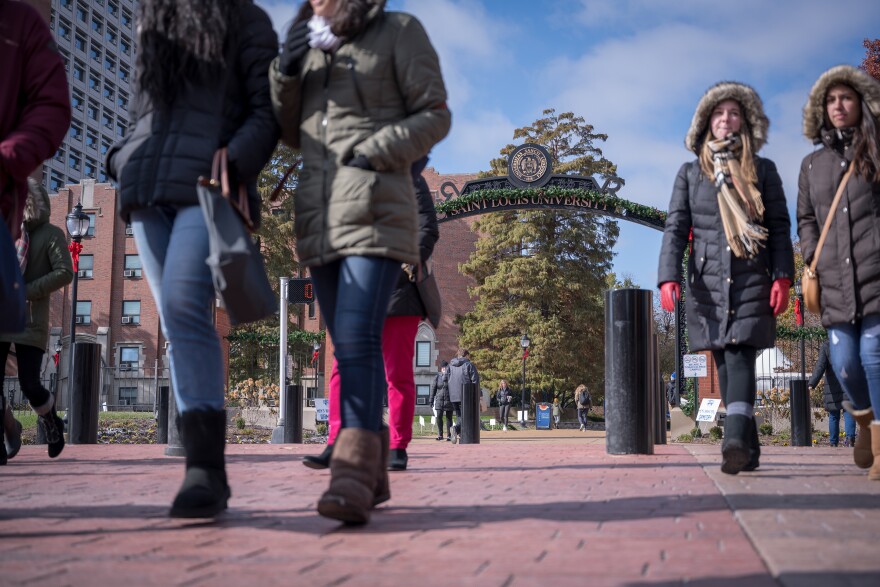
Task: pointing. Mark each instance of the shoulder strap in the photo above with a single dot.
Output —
(830, 218)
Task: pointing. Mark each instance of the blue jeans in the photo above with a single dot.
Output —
(353, 293)
(173, 246)
(855, 357)
(849, 426)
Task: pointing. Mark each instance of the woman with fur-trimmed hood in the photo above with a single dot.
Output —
(46, 267)
(741, 262)
(841, 116)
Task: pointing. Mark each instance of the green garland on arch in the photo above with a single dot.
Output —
(621, 206)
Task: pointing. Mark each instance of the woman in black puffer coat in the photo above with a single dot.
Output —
(841, 116)
(740, 269)
(202, 71)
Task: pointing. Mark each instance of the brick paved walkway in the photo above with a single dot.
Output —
(525, 508)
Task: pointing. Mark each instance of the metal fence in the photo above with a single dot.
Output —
(777, 366)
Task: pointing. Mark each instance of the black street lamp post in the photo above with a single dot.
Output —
(77, 228)
(524, 342)
(316, 350)
(799, 316)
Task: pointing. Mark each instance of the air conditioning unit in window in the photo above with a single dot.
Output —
(129, 231)
(125, 367)
(126, 319)
(80, 319)
(129, 273)
(82, 273)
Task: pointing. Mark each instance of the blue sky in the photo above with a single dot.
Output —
(635, 69)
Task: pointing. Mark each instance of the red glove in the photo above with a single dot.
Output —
(779, 295)
(670, 293)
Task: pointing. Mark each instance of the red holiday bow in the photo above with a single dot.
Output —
(798, 313)
(315, 357)
(75, 249)
(525, 354)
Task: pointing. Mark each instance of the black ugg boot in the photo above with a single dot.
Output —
(53, 428)
(397, 459)
(204, 492)
(754, 448)
(735, 446)
(321, 461)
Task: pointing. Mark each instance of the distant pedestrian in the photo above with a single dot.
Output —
(461, 372)
(842, 117)
(672, 391)
(439, 400)
(360, 92)
(47, 268)
(504, 397)
(557, 413)
(584, 403)
(203, 84)
(832, 398)
(741, 265)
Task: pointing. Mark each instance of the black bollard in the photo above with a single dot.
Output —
(174, 448)
(629, 421)
(293, 415)
(83, 416)
(162, 415)
(801, 421)
(659, 395)
(470, 414)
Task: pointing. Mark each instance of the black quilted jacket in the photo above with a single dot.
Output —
(164, 153)
(727, 298)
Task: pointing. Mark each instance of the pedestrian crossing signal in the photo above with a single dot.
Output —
(299, 291)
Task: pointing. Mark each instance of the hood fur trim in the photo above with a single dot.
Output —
(36, 209)
(814, 110)
(751, 104)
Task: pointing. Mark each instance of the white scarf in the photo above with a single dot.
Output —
(320, 35)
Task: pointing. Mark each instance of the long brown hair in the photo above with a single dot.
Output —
(349, 18)
(181, 41)
(746, 160)
(866, 145)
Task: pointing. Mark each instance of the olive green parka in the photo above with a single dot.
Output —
(380, 95)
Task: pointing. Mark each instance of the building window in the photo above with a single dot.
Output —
(128, 396)
(423, 392)
(95, 53)
(312, 313)
(73, 161)
(102, 177)
(120, 129)
(108, 91)
(64, 28)
(83, 312)
(91, 231)
(97, 24)
(129, 358)
(423, 353)
(112, 9)
(79, 71)
(107, 119)
(94, 83)
(59, 155)
(131, 312)
(75, 132)
(125, 19)
(123, 74)
(92, 112)
(82, 13)
(109, 64)
(92, 139)
(77, 100)
(105, 146)
(86, 266)
(132, 266)
(80, 43)
(90, 168)
(66, 4)
(122, 103)
(54, 184)
(125, 47)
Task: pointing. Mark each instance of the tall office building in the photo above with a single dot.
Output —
(96, 38)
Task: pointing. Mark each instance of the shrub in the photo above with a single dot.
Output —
(696, 432)
(715, 432)
(766, 428)
(321, 429)
(685, 438)
(240, 423)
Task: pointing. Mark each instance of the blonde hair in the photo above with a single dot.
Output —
(746, 160)
(580, 388)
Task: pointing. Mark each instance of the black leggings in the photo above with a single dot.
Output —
(456, 407)
(505, 413)
(29, 359)
(736, 373)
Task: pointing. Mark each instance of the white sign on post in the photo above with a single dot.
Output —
(322, 409)
(708, 410)
(694, 365)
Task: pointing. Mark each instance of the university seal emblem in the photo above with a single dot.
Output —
(529, 166)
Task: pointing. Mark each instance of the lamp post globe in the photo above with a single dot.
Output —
(524, 342)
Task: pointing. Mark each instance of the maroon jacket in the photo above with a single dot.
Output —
(34, 103)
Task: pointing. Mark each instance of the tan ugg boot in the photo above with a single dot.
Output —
(874, 473)
(383, 487)
(863, 456)
(354, 469)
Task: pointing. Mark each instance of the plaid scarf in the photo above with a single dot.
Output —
(21, 247)
(739, 201)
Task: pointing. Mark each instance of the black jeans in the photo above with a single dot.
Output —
(456, 407)
(736, 373)
(440, 422)
(29, 359)
(505, 413)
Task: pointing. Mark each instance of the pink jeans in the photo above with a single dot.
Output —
(398, 346)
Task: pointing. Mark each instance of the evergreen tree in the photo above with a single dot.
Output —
(543, 273)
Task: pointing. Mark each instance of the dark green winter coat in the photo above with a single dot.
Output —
(380, 95)
(49, 268)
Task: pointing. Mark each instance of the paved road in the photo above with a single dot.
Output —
(522, 508)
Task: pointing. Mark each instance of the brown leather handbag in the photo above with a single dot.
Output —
(810, 279)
